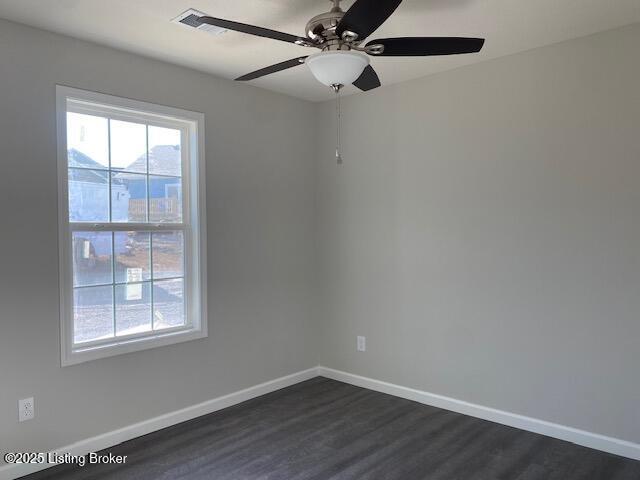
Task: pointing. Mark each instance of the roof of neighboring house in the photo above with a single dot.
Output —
(163, 159)
(89, 176)
(87, 170)
(78, 159)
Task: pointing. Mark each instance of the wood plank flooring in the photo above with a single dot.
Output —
(322, 429)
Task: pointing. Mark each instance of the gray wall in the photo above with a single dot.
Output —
(260, 204)
(484, 234)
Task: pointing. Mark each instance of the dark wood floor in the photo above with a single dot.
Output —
(323, 429)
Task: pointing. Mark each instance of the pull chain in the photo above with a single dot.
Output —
(337, 89)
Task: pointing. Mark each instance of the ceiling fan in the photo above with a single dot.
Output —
(340, 36)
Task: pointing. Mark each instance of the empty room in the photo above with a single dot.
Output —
(320, 240)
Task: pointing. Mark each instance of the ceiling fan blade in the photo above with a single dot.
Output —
(365, 16)
(253, 30)
(423, 46)
(368, 80)
(278, 67)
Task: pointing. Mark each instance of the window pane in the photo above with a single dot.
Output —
(128, 197)
(133, 308)
(168, 255)
(168, 304)
(92, 253)
(88, 195)
(87, 141)
(92, 313)
(164, 151)
(166, 199)
(128, 146)
(132, 256)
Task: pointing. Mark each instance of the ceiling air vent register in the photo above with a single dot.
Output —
(191, 18)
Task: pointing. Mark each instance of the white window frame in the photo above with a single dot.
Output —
(193, 226)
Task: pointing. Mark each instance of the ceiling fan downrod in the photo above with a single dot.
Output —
(336, 5)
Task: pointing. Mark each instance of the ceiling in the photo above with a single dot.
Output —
(143, 27)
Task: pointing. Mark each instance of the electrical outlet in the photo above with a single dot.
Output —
(362, 344)
(26, 409)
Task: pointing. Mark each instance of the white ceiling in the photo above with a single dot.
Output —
(143, 26)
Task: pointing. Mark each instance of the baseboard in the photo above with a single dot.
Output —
(106, 440)
(581, 437)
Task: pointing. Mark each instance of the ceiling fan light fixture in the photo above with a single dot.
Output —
(337, 67)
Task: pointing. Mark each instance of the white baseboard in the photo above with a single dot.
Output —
(109, 439)
(581, 437)
(562, 432)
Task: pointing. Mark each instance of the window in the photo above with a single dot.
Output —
(132, 232)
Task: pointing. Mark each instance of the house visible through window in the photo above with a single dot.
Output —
(131, 225)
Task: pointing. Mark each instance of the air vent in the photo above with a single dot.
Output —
(191, 18)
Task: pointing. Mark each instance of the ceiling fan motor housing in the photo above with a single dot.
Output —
(323, 26)
(321, 31)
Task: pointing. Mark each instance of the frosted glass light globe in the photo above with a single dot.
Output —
(337, 67)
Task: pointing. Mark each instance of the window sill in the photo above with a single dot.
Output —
(81, 355)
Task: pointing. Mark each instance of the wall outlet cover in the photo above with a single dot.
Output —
(362, 344)
(26, 409)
